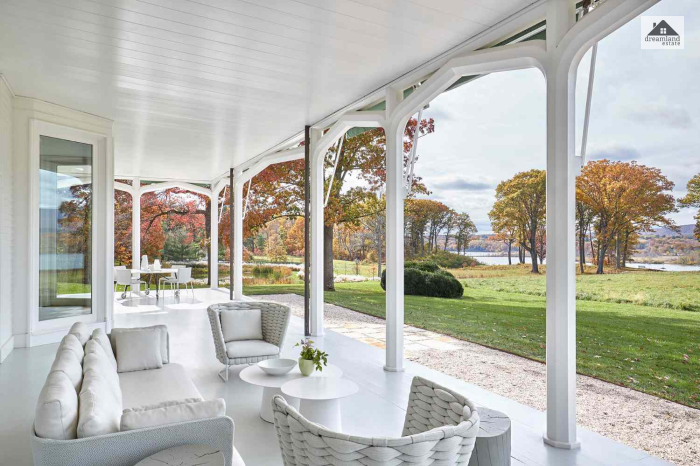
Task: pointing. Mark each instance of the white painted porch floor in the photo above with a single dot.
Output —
(376, 410)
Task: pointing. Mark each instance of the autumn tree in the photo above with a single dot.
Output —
(584, 218)
(692, 200)
(522, 201)
(464, 230)
(626, 198)
(295, 238)
(122, 227)
(76, 225)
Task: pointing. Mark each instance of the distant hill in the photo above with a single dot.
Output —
(686, 231)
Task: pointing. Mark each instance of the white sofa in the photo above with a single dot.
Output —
(64, 434)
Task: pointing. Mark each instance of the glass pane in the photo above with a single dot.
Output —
(65, 229)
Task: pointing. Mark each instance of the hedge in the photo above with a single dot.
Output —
(427, 279)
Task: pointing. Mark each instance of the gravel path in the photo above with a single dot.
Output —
(659, 427)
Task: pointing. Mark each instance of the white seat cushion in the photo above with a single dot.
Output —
(164, 340)
(241, 324)
(168, 383)
(71, 343)
(250, 348)
(57, 409)
(100, 337)
(67, 362)
(171, 413)
(96, 360)
(80, 330)
(100, 411)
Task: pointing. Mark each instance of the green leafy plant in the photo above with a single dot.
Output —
(309, 353)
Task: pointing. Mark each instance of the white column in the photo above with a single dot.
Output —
(394, 248)
(561, 247)
(214, 238)
(237, 219)
(317, 220)
(136, 224)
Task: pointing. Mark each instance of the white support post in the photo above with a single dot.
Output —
(136, 224)
(394, 238)
(317, 222)
(214, 238)
(237, 219)
(561, 247)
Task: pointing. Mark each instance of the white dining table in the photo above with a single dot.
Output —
(151, 273)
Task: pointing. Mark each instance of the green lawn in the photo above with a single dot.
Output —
(652, 349)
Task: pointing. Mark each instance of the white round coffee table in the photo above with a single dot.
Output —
(320, 398)
(271, 384)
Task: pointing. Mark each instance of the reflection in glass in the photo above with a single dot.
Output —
(65, 229)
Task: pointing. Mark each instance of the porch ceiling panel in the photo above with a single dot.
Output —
(198, 86)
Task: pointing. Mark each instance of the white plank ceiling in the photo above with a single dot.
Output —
(196, 86)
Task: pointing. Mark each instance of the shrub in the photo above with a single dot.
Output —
(449, 260)
(427, 279)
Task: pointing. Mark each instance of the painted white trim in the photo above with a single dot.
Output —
(101, 159)
(7, 84)
(175, 184)
(7, 348)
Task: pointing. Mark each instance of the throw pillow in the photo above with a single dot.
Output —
(169, 413)
(57, 409)
(100, 412)
(164, 339)
(138, 350)
(97, 360)
(237, 325)
(100, 337)
(80, 330)
(67, 362)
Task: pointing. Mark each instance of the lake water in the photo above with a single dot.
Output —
(490, 259)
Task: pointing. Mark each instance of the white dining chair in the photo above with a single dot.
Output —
(117, 267)
(125, 279)
(171, 278)
(184, 277)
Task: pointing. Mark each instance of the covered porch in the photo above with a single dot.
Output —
(549, 35)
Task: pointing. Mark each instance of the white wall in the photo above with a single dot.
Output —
(25, 111)
(6, 340)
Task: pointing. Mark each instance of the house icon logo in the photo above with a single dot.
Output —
(662, 32)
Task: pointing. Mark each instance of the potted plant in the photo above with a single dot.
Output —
(311, 358)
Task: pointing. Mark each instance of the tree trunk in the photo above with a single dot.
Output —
(510, 247)
(379, 252)
(328, 283)
(533, 248)
(618, 253)
(582, 249)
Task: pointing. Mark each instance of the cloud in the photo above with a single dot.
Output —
(659, 113)
(613, 152)
(457, 183)
(438, 113)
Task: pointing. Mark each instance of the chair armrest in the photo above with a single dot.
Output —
(217, 334)
(130, 447)
(275, 322)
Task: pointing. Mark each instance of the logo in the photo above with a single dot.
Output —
(662, 32)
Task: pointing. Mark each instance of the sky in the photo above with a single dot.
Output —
(645, 107)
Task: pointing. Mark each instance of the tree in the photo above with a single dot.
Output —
(278, 191)
(75, 221)
(584, 218)
(465, 229)
(295, 238)
(522, 201)
(276, 251)
(122, 227)
(625, 198)
(692, 200)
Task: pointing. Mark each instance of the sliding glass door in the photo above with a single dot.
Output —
(65, 228)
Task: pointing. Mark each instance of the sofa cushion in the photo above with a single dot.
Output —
(164, 340)
(237, 325)
(171, 413)
(101, 337)
(57, 409)
(80, 330)
(71, 343)
(250, 348)
(171, 382)
(138, 350)
(96, 360)
(100, 412)
(67, 362)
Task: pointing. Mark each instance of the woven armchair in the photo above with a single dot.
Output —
(440, 429)
(275, 320)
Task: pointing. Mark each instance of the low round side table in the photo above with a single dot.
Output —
(185, 455)
(320, 398)
(492, 447)
(272, 384)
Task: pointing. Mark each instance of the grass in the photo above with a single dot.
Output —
(677, 290)
(652, 349)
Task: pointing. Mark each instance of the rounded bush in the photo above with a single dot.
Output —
(419, 282)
